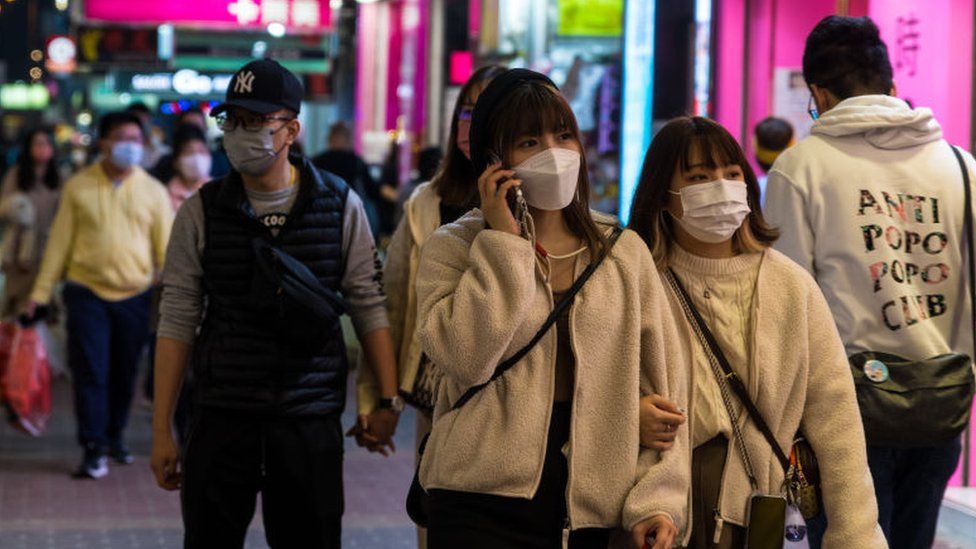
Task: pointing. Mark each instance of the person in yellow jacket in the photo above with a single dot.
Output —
(108, 241)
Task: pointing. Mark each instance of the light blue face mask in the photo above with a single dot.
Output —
(126, 154)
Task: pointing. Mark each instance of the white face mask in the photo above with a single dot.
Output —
(194, 167)
(713, 211)
(549, 179)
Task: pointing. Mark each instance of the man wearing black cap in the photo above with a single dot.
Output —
(251, 287)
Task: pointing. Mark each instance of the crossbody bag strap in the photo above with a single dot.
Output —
(968, 238)
(732, 379)
(550, 320)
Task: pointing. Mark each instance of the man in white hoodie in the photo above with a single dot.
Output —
(872, 205)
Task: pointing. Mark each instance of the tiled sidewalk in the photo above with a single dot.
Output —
(41, 507)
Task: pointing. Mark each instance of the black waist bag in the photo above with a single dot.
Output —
(911, 404)
(303, 311)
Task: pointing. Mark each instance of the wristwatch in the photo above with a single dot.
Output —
(396, 404)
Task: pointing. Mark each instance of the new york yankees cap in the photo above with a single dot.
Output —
(263, 86)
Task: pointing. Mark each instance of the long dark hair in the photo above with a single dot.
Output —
(672, 150)
(533, 108)
(25, 163)
(455, 182)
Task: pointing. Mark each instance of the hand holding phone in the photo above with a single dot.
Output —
(494, 186)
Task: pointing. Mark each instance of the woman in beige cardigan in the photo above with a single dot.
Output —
(697, 208)
(448, 196)
(549, 453)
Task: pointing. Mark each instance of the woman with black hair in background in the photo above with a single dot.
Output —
(28, 201)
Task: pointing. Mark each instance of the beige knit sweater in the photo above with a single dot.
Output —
(723, 291)
(798, 377)
(481, 298)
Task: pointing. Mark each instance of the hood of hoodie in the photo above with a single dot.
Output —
(885, 122)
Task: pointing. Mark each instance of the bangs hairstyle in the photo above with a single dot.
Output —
(535, 108)
(455, 181)
(674, 149)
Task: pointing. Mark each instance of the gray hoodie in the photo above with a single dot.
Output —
(871, 205)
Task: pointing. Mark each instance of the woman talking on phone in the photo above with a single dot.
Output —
(697, 208)
(548, 325)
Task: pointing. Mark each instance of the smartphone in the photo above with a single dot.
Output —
(765, 519)
(512, 196)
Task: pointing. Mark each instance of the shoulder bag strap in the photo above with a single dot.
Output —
(550, 320)
(733, 380)
(968, 238)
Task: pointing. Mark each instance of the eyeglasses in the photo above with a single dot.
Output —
(812, 109)
(250, 122)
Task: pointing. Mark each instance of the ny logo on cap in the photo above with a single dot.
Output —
(245, 81)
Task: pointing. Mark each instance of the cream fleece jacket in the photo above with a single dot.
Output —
(799, 379)
(481, 298)
(421, 217)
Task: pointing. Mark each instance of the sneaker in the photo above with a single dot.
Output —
(94, 465)
(121, 454)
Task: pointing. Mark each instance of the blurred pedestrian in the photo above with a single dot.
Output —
(108, 240)
(191, 164)
(28, 202)
(154, 146)
(449, 194)
(340, 158)
(772, 137)
(697, 208)
(251, 287)
(193, 116)
(495, 465)
(873, 205)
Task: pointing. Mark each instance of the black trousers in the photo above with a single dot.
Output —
(295, 464)
(483, 521)
(105, 339)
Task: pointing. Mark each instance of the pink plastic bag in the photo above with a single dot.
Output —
(25, 378)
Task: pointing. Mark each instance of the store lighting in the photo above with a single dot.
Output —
(84, 119)
(61, 5)
(335, 4)
(276, 30)
(36, 73)
(36, 55)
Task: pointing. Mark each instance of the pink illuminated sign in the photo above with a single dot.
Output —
(930, 48)
(462, 65)
(297, 15)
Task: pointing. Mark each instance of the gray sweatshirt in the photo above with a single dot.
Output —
(182, 305)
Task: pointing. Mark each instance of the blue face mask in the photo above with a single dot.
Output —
(126, 154)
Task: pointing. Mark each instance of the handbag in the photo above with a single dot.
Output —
(916, 403)
(426, 386)
(801, 470)
(417, 498)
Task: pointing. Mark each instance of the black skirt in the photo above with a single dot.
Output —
(483, 521)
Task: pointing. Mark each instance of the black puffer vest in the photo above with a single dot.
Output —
(240, 361)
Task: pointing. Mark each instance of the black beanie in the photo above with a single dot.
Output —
(488, 101)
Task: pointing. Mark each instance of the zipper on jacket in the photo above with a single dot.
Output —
(572, 408)
(719, 523)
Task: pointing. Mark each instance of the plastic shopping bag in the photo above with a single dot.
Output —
(25, 381)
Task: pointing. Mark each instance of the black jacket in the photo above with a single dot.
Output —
(241, 360)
